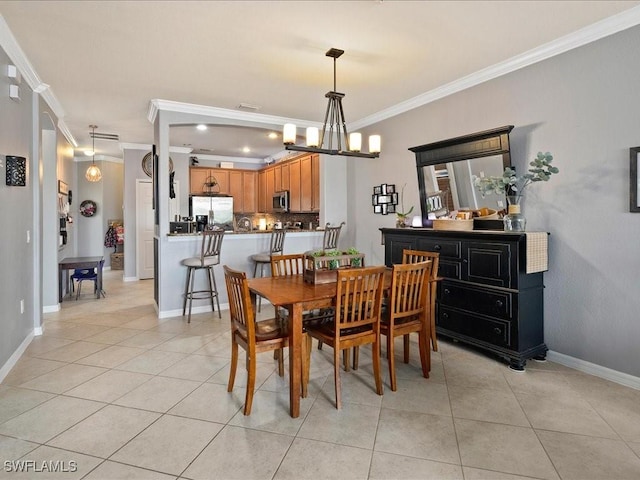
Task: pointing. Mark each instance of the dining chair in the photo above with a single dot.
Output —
(357, 319)
(276, 247)
(407, 312)
(413, 256)
(293, 264)
(253, 336)
(209, 257)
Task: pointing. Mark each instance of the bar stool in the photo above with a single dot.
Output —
(209, 257)
(331, 236)
(262, 259)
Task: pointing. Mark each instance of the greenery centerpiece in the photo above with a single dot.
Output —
(512, 186)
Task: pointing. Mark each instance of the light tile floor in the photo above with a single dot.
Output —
(123, 394)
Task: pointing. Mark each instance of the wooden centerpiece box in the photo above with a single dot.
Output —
(323, 266)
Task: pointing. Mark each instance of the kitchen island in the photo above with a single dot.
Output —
(237, 248)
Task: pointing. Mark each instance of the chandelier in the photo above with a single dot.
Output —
(93, 172)
(334, 124)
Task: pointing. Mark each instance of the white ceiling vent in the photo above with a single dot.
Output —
(248, 106)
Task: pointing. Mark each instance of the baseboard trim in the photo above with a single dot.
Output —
(13, 359)
(51, 308)
(593, 369)
(194, 310)
(130, 279)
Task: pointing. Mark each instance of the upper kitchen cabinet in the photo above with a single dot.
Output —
(243, 188)
(294, 186)
(315, 183)
(306, 184)
(199, 176)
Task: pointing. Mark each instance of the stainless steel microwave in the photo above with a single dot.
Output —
(280, 202)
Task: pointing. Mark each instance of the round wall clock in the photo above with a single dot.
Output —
(147, 164)
(88, 208)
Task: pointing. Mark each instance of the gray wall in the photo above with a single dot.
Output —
(583, 106)
(16, 204)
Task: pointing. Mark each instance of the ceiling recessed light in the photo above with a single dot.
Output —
(246, 149)
(89, 153)
(201, 127)
(272, 135)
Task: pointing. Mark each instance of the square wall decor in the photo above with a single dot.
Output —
(16, 171)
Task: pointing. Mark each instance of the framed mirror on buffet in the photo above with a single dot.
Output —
(446, 168)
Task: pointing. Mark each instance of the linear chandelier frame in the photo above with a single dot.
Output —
(334, 125)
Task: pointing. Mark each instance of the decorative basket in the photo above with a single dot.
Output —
(450, 224)
(324, 268)
(117, 261)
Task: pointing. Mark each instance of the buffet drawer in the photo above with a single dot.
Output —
(478, 300)
(445, 247)
(491, 330)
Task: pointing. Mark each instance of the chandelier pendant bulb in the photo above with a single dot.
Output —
(93, 173)
(335, 126)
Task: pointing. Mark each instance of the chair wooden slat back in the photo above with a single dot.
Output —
(211, 243)
(358, 298)
(408, 311)
(240, 307)
(253, 336)
(409, 290)
(282, 265)
(414, 256)
(331, 236)
(277, 241)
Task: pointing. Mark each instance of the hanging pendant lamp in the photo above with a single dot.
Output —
(93, 172)
(348, 145)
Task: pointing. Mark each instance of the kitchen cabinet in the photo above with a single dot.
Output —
(285, 176)
(486, 297)
(199, 175)
(262, 191)
(242, 187)
(270, 188)
(315, 183)
(277, 178)
(294, 186)
(306, 184)
(253, 190)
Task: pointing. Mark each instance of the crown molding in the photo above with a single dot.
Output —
(148, 147)
(22, 63)
(99, 158)
(223, 158)
(230, 117)
(62, 126)
(604, 28)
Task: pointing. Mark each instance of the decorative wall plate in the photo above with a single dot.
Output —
(16, 171)
(88, 208)
(147, 164)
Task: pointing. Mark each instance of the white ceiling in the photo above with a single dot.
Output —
(104, 61)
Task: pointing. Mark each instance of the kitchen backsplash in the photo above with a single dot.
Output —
(291, 220)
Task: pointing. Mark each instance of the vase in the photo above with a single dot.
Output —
(401, 222)
(514, 220)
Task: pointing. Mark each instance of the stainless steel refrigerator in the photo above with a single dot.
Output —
(218, 209)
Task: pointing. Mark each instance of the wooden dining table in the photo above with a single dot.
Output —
(294, 294)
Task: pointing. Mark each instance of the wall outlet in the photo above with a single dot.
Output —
(22, 306)
(500, 204)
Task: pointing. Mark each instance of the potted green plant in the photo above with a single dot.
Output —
(512, 186)
(402, 216)
(355, 262)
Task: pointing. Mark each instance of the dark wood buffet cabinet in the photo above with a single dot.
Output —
(485, 297)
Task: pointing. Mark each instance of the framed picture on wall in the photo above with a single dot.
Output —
(63, 188)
